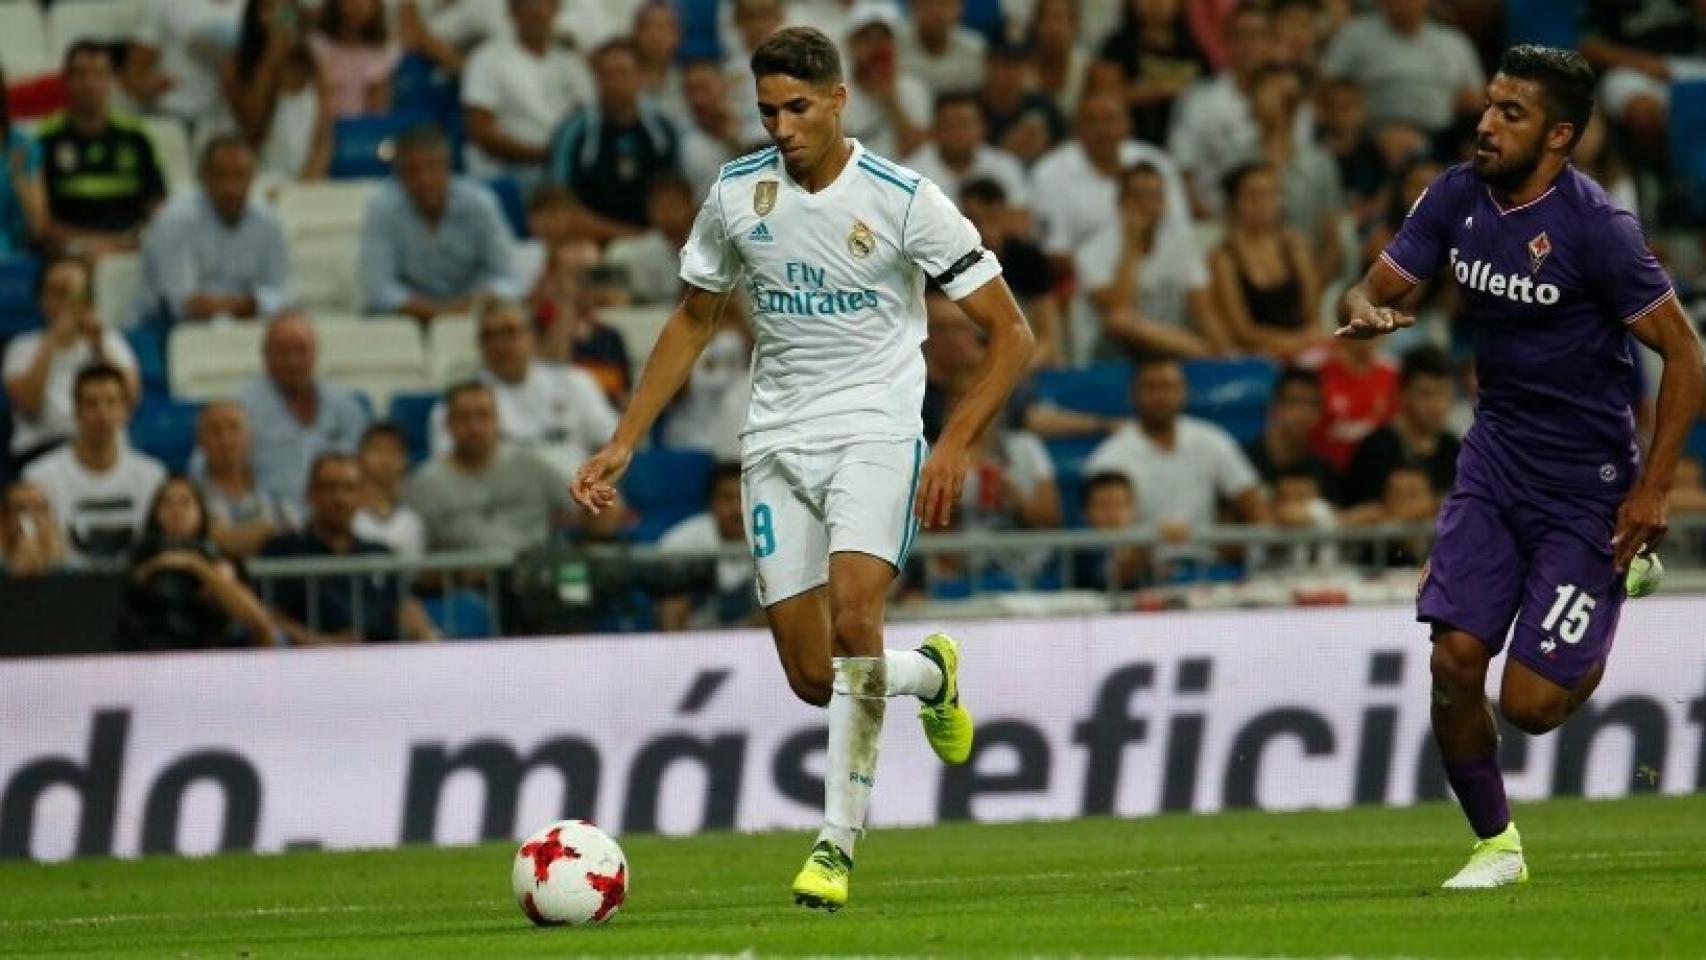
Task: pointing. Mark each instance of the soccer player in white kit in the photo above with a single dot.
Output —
(834, 245)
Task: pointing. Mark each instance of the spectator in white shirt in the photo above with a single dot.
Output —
(1213, 130)
(516, 90)
(711, 135)
(294, 415)
(173, 62)
(887, 109)
(649, 261)
(753, 20)
(384, 518)
(277, 94)
(1413, 69)
(1062, 66)
(948, 57)
(451, 28)
(1081, 179)
(40, 367)
(1152, 297)
(558, 411)
(1182, 467)
(732, 602)
(657, 39)
(957, 152)
(100, 488)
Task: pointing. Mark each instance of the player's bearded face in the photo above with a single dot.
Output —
(803, 119)
(1511, 135)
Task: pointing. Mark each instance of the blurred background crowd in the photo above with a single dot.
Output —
(370, 278)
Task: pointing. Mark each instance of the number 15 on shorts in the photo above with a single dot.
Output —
(1568, 618)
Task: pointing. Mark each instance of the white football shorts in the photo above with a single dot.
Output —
(803, 505)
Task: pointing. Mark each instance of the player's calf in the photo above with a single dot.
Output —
(811, 682)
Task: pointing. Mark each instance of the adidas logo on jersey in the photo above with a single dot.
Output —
(1479, 276)
(760, 234)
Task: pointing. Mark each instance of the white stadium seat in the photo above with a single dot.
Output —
(452, 353)
(172, 149)
(379, 356)
(323, 273)
(118, 277)
(209, 361)
(107, 21)
(24, 47)
(313, 210)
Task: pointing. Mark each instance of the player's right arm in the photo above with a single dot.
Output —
(1369, 309)
(691, 326)
(710, 268)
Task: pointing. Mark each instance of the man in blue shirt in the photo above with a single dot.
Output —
(212, 252)
(431, 242)
(294, 416)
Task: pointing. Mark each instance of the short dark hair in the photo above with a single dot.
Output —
(1423, 361)
(1566, 81)
(1235, 177)
(618, 44)
(983, 190)
(958, 98)
(85, 47)
(669, 180)
(422, 136)
(457, 390)
(1107, 478)
(383, 430)
(804, 53)
(329, 458)
(96, 372)
(1293, 376)
(1140, 168)
(224, 141)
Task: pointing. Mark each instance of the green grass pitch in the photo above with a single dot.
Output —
(1624, 878)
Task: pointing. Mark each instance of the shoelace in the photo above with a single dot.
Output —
(827, 858)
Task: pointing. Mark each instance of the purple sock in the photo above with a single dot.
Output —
(1480, 789)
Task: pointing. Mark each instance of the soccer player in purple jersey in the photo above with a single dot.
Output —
(1552, 502)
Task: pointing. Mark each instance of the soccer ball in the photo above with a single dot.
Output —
(571, 872)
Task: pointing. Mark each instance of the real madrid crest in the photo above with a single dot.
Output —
(764, 197)
(861, 243)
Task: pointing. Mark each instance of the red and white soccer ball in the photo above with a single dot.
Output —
(571, 872)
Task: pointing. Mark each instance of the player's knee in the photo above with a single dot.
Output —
(1534, 716)
(857, 626)
(1457, 670)
(813, 683)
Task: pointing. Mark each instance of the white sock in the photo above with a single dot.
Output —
(855, 732)
(912, 674)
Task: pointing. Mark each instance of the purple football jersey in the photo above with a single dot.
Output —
(1549, 289)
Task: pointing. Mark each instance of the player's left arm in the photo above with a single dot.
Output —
(992, 307)
(1644, 516)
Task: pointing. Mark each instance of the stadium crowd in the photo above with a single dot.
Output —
(1177, 192)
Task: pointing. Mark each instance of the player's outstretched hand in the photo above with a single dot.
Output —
(1641, 524)
(1377, 322)
(595, 482)
(940, 484)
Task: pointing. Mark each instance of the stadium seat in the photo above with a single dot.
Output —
(380, 356)
(18, 310)
(324, 273)
(412, 413)
(118, 277)
(172, 149)
(109, 21)
(452, 353)
(462, 615)
(1101, 388)
(364, 146)
(206, 361)
(24, 46)
(1232, 393)
(513, 204)
(165, 429)
(1688, 140)
(424, 89)
(1555, 23)
(665, 486)
(149, 346)
(311, 211)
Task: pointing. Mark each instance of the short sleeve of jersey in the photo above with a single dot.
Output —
(1632, 282)
(945, 245)
(710, 261)
(1420, 244)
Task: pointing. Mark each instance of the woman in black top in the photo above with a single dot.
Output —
(182, 594)
(1264, 275)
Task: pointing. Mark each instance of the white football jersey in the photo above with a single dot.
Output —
(835, 280)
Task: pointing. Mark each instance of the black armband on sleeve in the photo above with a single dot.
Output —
(960, 266)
